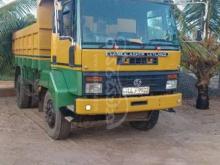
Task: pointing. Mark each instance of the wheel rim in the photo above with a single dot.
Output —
(50, 114)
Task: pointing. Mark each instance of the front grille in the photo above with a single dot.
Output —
(113, 85)
(156, 83)
(114, 82)
(137, 61)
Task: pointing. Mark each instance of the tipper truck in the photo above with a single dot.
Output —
(97, 60)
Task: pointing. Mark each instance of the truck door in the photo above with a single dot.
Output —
(62, 55)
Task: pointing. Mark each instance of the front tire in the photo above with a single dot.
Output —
(148, 124)
(57, 126)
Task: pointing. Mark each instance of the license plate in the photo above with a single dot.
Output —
(135, 91)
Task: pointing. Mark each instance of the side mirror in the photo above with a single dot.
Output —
(72, 56)
(71, 49)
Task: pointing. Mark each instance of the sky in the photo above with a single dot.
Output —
(8, 1)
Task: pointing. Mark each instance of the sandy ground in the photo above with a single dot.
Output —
(6, 84)
(185, 137)
(7, 89)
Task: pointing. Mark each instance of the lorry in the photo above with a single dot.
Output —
(86, 61)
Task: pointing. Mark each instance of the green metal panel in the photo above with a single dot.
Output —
(32, 63)
(65, 85)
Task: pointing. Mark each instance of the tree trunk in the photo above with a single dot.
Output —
(203, 97)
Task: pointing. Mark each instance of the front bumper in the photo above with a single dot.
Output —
(127, 105)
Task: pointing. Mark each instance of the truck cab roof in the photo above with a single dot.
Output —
(157, 1)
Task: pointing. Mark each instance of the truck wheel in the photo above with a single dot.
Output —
(150, 122)
(41, 104)
(34, 102)
(57, 127)
(34, 98)
(23, 100)
(41, 98)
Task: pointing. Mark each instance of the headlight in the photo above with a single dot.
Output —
(94, 88)
(171, 84)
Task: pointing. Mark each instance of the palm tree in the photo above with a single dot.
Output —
(13, 16)
(201, 57)
(12, 13)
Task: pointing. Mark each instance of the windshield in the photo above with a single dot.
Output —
(127, 24)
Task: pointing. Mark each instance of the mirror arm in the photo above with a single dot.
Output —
(73, 43)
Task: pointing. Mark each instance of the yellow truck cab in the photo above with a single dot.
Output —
(86, 60)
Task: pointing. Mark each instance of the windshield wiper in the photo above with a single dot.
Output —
(164, 42)
(161, 40)
(133, 42)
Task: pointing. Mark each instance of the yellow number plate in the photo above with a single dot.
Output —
(135, 91)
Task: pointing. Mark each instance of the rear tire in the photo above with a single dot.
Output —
(41, 98)
(150, 122)
(41, 104)
(22, 93)
(34, 97)
(57, 126)
(34, 102)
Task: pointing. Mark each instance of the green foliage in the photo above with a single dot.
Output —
(13, 16)
(194, 16)
(201, 57)
(6, 38)
(12, 13)
(202, 60)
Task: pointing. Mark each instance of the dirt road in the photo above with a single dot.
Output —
(185, 137)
